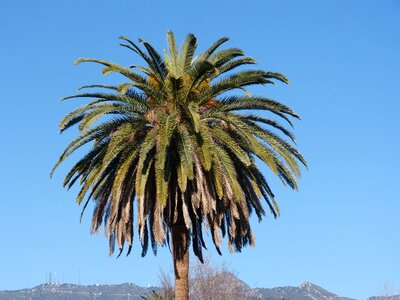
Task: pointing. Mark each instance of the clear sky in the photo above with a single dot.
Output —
(339, 231)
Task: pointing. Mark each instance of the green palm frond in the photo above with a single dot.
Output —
(186, 54)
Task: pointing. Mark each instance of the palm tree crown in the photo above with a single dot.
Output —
(176, 140)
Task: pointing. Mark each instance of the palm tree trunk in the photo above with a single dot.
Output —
(180, 243)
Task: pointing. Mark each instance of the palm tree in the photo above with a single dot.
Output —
(175, 139)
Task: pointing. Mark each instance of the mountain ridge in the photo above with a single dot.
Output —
(130, 291)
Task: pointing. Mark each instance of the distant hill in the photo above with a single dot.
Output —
(395, 297)
(129, 291)
(126, 291)
(306, 291)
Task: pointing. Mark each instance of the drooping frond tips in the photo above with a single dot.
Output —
(278, 76)
(129, 250)
(94, 60)
(80, 60)
(248, 93)
(120, 252)
(214, 46)
(122, 37)
(295, 115)
(223, 40)
(55, 167)
(110, 87)
(83, 210)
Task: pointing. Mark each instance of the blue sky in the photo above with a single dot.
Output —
(340, 230)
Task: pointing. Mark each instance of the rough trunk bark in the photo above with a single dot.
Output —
(180, 243)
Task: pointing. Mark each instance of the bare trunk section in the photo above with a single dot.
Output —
(180, 243)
